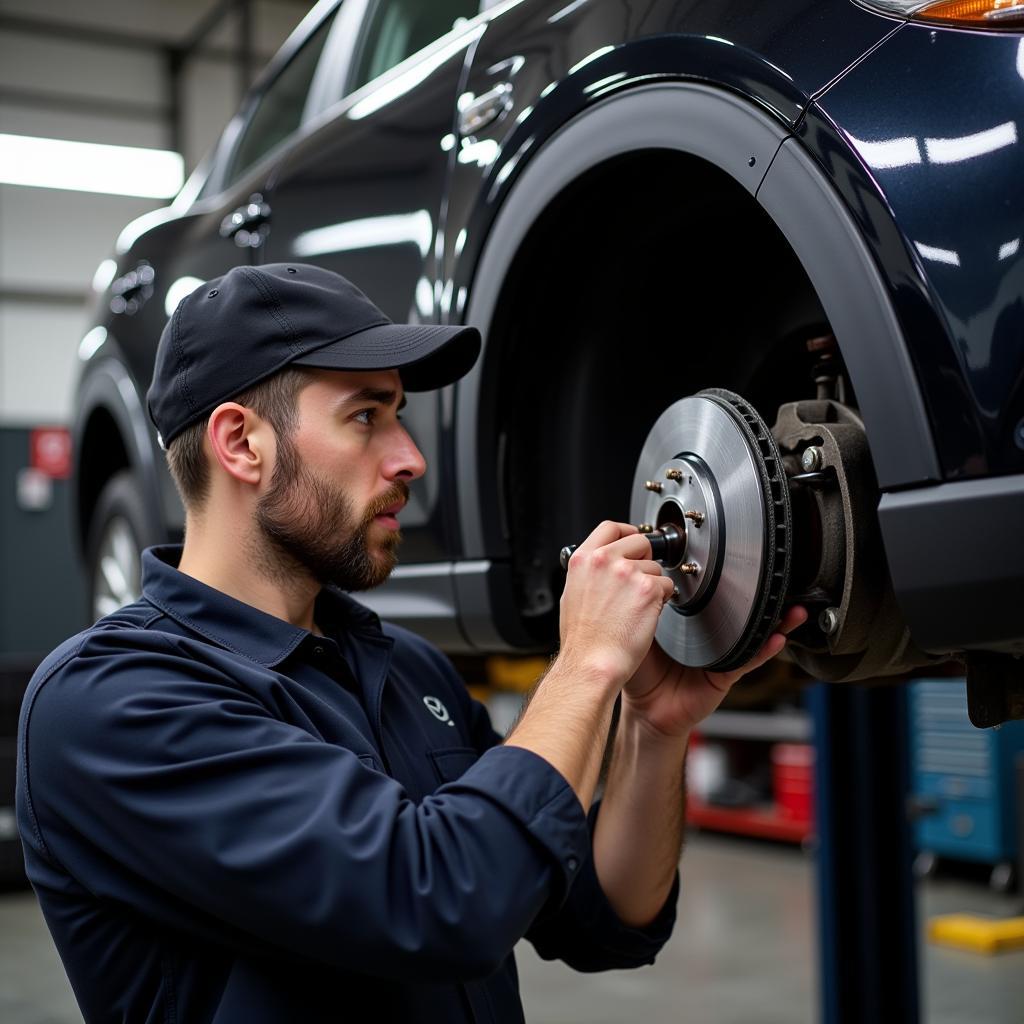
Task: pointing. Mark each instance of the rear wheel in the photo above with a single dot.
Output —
(117, 536)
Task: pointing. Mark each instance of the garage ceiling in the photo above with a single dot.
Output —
(156, 21)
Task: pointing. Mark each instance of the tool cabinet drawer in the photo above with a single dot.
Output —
(967, 829)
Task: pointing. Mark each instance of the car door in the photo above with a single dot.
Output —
(230, 218)
(362, 194)
(218, 221)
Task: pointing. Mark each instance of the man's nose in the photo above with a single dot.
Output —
(407, 461)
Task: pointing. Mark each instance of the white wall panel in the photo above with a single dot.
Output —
(38, 362)
(52, 239)
(58, 67)
(163, 21)
(150, 133)
(210, 94)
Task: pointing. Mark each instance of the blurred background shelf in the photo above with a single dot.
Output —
(781, 726)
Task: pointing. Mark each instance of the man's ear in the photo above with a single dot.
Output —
(240, 442)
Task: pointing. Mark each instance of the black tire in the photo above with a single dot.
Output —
(119, 529)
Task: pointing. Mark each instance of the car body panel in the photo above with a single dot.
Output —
(362, 195)
(560, 58)
(184, 250)
(804, 104)
(943, 154)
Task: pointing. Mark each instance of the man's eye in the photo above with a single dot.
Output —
(366, 416)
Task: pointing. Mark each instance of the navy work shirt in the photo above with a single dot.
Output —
(227, 818)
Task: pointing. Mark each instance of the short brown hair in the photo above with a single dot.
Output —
(273, 400)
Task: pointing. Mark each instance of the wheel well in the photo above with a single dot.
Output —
(103, 453)
(650, 277)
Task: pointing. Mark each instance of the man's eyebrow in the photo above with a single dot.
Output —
(385, 396)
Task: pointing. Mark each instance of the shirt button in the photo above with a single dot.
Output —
(572, 863)
(318, 651)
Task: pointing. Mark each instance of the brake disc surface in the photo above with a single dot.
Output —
(711, 468)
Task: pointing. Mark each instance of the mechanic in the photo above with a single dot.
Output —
(245, 799)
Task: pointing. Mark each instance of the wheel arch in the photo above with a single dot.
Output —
(110, 434)
(760, 155)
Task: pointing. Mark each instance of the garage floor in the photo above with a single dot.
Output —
(743, 953)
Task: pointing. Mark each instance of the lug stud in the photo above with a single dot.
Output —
(689, 568)
(695, 517)
(674, 474)
(653, 485)
(675, 594)
(645, 528)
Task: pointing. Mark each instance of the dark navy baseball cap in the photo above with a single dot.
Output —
(236, 330)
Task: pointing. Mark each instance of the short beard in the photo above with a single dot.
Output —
(309, 523)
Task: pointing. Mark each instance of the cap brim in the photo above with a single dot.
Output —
(426, 355)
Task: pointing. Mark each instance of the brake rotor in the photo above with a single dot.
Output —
(711, 468)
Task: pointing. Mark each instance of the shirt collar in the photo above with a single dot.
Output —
(238, 626)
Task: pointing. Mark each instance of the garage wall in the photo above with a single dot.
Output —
(96, 72)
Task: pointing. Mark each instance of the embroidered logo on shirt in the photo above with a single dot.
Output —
(438, 710)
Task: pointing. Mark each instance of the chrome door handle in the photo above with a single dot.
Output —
(483, 110)
(248, 224)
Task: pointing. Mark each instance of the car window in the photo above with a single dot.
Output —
(398, 28)
(279, 109)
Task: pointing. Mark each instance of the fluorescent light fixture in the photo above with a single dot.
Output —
(90, 344)
(90, 167)
(930, 252)
(178, 290)
(368, 233)
(951, 151)
(889, 152)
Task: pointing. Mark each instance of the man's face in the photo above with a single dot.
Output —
(340, 480)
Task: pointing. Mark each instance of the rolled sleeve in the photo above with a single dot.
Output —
(586, 932)
(530, 790)
(160, 785)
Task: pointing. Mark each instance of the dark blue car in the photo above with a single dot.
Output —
(815, 205)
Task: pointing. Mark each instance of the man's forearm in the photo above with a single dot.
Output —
(567, 722)
(639, 832)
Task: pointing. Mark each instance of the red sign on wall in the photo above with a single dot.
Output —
(50, 451)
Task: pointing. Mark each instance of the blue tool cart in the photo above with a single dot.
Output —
(964, 781)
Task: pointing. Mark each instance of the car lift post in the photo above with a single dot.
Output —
(866, 912)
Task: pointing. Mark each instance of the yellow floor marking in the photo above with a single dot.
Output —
(977, 934)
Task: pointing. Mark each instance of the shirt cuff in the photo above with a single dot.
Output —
(529, 789)
(631, 946)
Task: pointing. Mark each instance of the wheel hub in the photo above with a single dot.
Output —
(688, 501)
(710, 468)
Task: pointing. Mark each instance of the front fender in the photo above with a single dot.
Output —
(726, 131)
(107, 388)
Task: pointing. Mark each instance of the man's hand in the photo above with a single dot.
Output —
(671, 699)
(613, 596)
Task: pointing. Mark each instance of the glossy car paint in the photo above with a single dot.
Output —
(836, 79)
(933, 174)
(361, 194)
(561, 58)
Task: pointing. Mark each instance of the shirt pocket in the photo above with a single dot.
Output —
(451, 762)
